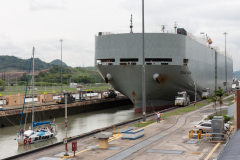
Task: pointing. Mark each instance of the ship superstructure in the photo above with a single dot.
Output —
(174, 62)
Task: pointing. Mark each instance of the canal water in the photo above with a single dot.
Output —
(77, 124)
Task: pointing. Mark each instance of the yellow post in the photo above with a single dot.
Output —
(162, 116)
(200, 131)
(189, 134)
(118, 132)
(198, 136)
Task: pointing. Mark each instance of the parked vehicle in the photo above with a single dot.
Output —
(91, 94)
(206, 93)
(182, 99)
(30, 89)
(70, 99)
(205, 127)
(110, 94)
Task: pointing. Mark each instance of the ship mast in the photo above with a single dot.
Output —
(131, 26)
(175, 27)
(163, 27)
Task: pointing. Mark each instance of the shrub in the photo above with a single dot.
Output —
(210, 117)
(226, 118)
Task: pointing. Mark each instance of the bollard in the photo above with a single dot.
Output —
(74, 146)
(118, 132)
(189, 134)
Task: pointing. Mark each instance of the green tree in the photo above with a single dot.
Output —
(219, 94)
(214, 99)
(1, 82)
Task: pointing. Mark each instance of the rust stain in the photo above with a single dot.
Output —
(134, 97)
(161, 79)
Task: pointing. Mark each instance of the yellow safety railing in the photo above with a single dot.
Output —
(199, 134)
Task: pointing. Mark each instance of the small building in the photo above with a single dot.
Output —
(45, 97)
(14, 100)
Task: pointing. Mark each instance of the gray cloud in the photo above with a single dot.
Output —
(42, 23)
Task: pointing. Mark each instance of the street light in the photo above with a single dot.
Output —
(143, 69)
(225, 33)
(61, 63)
(195, 95)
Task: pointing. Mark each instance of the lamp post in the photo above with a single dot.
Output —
(225, 33)
(61, 63)
(65, 140)
(195, 102)
(143, 69)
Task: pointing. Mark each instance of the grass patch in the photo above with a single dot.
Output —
(187, 109)
(142, 124)
(229, 99)
(13, 90)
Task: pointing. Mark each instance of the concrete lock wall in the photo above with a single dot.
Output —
(59, 111)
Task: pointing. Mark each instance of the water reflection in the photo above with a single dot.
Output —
(77, 124)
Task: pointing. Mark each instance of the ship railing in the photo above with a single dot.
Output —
(136, 31)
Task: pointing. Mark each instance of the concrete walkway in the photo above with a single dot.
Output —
(166, 140)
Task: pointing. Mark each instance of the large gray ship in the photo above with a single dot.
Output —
(174, 62)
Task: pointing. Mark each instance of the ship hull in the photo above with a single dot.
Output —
(115, 54)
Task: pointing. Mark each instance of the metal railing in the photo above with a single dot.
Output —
(137, 31)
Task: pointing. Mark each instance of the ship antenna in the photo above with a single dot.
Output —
(175, 26)
(131, 26)
(163, 27)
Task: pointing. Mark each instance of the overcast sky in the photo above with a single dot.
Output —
(42, 23)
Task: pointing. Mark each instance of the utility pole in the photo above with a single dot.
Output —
(143, 69)
(225, 33)
(195, 102)
(33, 91)
(65, 140)
(16, 83)
(61, 63)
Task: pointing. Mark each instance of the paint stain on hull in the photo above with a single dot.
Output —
(134, 95)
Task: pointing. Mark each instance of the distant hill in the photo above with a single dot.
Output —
(12, 63)
(90, 68)
(77, 75)
(58, 62)
(236, 74)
